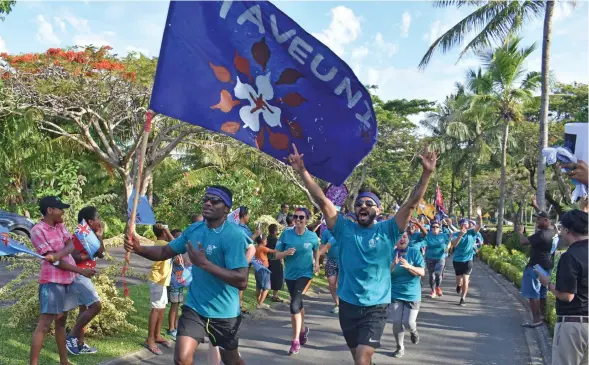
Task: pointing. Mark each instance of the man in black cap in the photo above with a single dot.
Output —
(570, 333)
(540, 254)
(52, 240)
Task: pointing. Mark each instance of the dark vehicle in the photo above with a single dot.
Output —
(16, 224)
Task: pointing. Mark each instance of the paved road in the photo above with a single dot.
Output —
(485, 332)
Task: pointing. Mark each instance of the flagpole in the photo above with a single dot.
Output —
(131, 225)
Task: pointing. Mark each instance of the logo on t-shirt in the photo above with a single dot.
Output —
(372, 242)
(307, 244)
(210, 249)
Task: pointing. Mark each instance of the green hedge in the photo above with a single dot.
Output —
(511, 264)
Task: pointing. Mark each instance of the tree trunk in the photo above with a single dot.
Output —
(520, 217)
(452, 188)
(544, 103)
(354, 192)
(469, 182)
(502, 184)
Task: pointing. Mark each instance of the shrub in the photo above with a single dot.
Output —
(113, 226)
(25, 311)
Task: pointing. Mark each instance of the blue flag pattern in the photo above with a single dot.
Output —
(87, 238)
(246, 69)
(144, 212)
(8, 246)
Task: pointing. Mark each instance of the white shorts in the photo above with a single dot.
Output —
(158, 295)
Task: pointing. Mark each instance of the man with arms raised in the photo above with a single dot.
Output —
(217, 252)
(365, 251)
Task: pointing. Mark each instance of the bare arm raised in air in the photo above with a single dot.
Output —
(428, 162)
(326, 206)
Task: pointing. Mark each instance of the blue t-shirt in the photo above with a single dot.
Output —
(365, 261)
(327, 237)
(436, 245)
(299, 265)
(404, 285)
(246, 229)
(464, 250)
(416, 240)
(208, 295)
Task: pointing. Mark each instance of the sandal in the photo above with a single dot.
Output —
(244, 310)
(164, 343)
(153, 349)
(277, 300)
(532, 325)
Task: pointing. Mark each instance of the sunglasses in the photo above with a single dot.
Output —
(369, 203)
(299, 217)
(213, 199)
(435, 226)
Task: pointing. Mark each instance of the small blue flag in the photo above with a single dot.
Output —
(246, 69)
(87, 238)
(8, 246)
(144, 212)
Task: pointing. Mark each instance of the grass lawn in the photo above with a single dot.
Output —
(16, 341)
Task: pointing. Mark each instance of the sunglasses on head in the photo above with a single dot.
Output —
(213, 199)
(369, 203)
(300, 217)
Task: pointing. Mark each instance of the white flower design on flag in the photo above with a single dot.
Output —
(259, 103)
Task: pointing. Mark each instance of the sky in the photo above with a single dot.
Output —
(382, 41)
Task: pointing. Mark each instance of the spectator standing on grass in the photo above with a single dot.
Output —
(263, 274)
(88, 300)
(570, 342)
(540, 254)
(51, 239)
(275, 265)
(281, 217)
(175, 290)
(159, 280)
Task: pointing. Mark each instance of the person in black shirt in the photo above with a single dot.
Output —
(570, 343)
(276, 269)
(540, 254)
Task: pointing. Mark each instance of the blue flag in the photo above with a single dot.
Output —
(248, 70)
(87, 238)
(144, 212)
(8, 246)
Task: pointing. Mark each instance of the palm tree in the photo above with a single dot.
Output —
(496, 21)
(506, 86)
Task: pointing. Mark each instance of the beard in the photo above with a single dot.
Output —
(366, 217)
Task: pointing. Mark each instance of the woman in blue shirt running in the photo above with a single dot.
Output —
(406, 272)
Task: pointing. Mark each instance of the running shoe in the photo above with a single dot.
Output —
(335, 309)
(458, 289)
(85, 349)
(172, 334)
(432, 294)
(304, 336)
(71, 343)
(439, 291)
(399, 353)
(415, 338)
(462, 302)
(295, 347)
(263, 306)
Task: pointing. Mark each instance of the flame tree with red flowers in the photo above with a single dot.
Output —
(94, 99)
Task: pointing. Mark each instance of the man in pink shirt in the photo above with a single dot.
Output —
(52, 240)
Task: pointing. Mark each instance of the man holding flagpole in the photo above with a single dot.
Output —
(365, 251)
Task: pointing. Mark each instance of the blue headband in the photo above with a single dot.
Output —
(463, 221)
(370, 195)
(221, 194)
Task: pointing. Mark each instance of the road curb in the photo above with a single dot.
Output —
(133, 358)
(537, 339)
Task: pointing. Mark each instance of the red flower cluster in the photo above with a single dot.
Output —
(108, 65)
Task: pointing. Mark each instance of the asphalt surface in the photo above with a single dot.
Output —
(487, 331)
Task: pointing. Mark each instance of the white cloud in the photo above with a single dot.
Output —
(3, 45)
(59, 23)
(405, 24)
(359, 53)
(94, 39)
(45, 34)
(561, 11)
(388, 48)
(79, 24)
(130, 49)
(343, 29)
(435, 31)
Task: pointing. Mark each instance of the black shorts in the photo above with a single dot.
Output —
(462, 268)
(295, 289)
(222, 332)
(362, 325)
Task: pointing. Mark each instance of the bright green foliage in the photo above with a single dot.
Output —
(6, 7)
